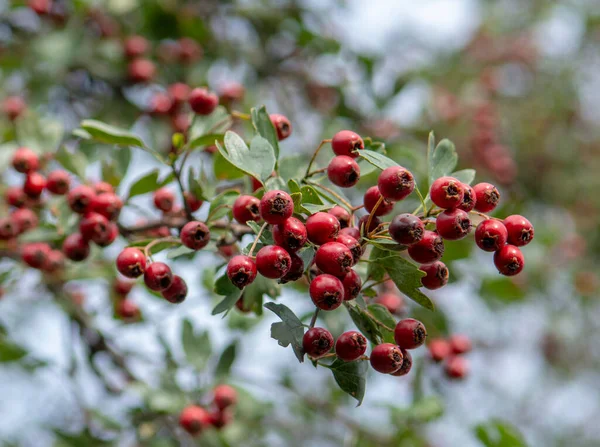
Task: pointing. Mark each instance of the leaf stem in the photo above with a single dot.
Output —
(315, 172)
(333, 193)
(220, 207)
(372, 214)
(240, 115)
(186, 205)
(314, 318)
(310, 163)
(257, 238)
(170, 240)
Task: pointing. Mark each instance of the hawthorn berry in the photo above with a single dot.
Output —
(122, 286)
(141, 70)
(194, 419)
(224, 396)
(363, 221)
(317, 342)
(179, 93)
(25, 160)
(343, 171)
(407, 363)
(350, 346)
(334, 258)
(202, 101)
(161, 104)
(276, 206)
(273, 261)
(76, 248)
(296, 269)
(164, 199)
(406, 229)
(469, 198)
(107, 204)
(437, 275)
(80, 198)
(520, 231)
(326, 292)
(93, 226)
(410, 333)
(24, 219)
(354, 246)
(346, 142)
(509, 260)
(109, 237)
(15, 196)
(131, 262)
(460, 344)
(353, 231)
(342, 215)
(192, 201)
(158, 276)
(219, 419)
(54, 262)
(13, 107)
(195, 235)
(127, 310)
(8, 229)
(103, 188)
(352, 285)
(447, 192)
(135, 46)
(429, 249)
(189, 50)
(439, 349)
(291, 234)
(246, 208)
(322, 228)
(231, 92)
(282, 125)
(392, 302)
(453, 224)
(176, 292)
(58, 182)
(395, 183)
(35, 254)
(456, 367)
(386, 358)
(486, 197)
(491, 235)
(34, 184)
(371, 198)
(241, 271)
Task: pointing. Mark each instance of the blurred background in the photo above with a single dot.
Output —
(514, 84)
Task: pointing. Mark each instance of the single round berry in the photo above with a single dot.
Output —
(386, 358)
(342, 215)
(407, 363)
(352, 285)
(343, 171)
(13, 107)
(80, 198)
(24, 219)
(410, 333)
(509, 260)
(158, 276)
(15, 196)
(350, 346)
(370, 200)
(103, 188)
(486, 197)
(58, 182)
(457, 367)
(25, 160)
(354, 246)
(453, 224)
(161, 104)
(34, 184)
(202, 101)
(127, 310)
(219, 419)
(296, 269)
(241, 271)
(447, 192)
(439, 349)
(224, 396)
(334, 258)
(195, 235)
(346, 142)
(135, 46)
(392, 302)
(291, 235)
(109, 237)
(276, 207)
(189, 50)
(76, 248)
(141, 70)
(122, 286)
(428, 249)
(406, 229)
(273, 261)
(8, 229)
(107, 204)
(93, 227)
(352, 231)
(317, 342)
(192, 201)
(55, 262)
(491, 235)
(322, 228)
(194, 419)
(246, 208)
(520, 230)
(364, 221)
(131, 262)
(35, 254)
(176, 292)
(326, 292)
(164, 199)
(437, 275)
(179, 93)
(469, 198)
(231, 92)
(460, 344)
(396, 183)
(282, 125)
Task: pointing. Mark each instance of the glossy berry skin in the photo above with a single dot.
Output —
(192, 201)
(241, 271)
(439, 349)
(352, 232)
(131, 262)
(25, 160)
(469, 199)
(334, 258)
(354, 246)
(460, 344)
(407, 363)
(80, 198)
(457, 367)
(346, 142)
(491, 235)
(58, 182)
(428, 249)
(322, 228)
(386, 358)
(392, 302)
(509, 260)
(453, 224)
(8, 229)
(122, 287)
(396, 183)
(447, 192)
(520, 231)
(202, 101)
(317, 342)
(343, 171)
(76, 248)
(158, 276)
(437, 275)
(224, 396)
(406, 229)
(350, 346)
(363, 221)
(141, 70)
(486, 197)
(326, 292)
(24, 219)
(94, 227)
(109, 237)
(103, 188)
(276, 206)
(34, 184)
(127, 310)
(194, 419)
(282, 125)
(15, 196)
(342, 215)
(296, 269)
(291, 235)
(164, 199)
(35, 254)
(246, 208)
(371, 198)
(176, 292)
(273, 261)
(107, 204)
(410, 333)
(352, 285)
(195, 235)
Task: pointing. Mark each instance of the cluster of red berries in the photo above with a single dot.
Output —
(124, 307)
(194, 419)
(451, 352)
(13, 107)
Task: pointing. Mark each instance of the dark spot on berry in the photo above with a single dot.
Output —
(526, 235)
(465, 225)
(135, 269)
(253, 209)
(419, 334)
(352, 177)
(331, 299)
(514, 265)
(489, 242)
(278, 205)
(468, 199)
(396, 357)
(442, 273)
(438, 246)
(199, 234)
(240, 278)
(492, 196)
(294, 241)
(322, 343)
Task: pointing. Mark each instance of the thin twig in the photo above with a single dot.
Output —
(257, 238)
(333, 193)
(315, 156)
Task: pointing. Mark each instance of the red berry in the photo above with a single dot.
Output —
(231, 92)
(35, 254)
(407, 363)
(469, 198)
(457, 367)
(291, 234)
(58, 182)
(55, 262)
(371, 198)
(164, 199)
(436, 275)
(141, 70)
(122, 287)
(322, 228)
(256, 184)
(109, 237)
(428, 249)
(273, 261)
(194, 419)
(195, 235)
(176, 292)
(241, 271)
(76, 248)
(192, 201)
(352, 285)
(352, 231)
(80, 198)
(392, 302)
(189, 50)
(127, 310)
(24, 219)
(520, 230)
(509, 260)
(350, 346)
(296, 269)
(453, 224)
(334, 258)
(354, 246)
(107, 204)
(342, 215)
(396, 183)
(282, 125)
(326, 292)
(343, 171)
(410, 333)
(486, 197)
(224, 396)
(362, 224)
(135, 46)
(460, 344)
(219, 419)
(13, 107)
(346, 142)
(179, 92)
(276, 206)
(161, 104)
(15, 196)
(25, 160)
(131, 262)
(386, 358)
(317, 342)
(93, 227)
(158, 276)
(40, 7)
(103, 188)
(491, 235)
(202, 101)
(439, 349)
(246, 208)
(8, 229)
(34, 184)
(406, 229)
(447, 192)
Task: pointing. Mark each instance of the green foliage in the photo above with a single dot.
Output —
(499, 434)
(258, 160)
(351, 377)
(289, 331)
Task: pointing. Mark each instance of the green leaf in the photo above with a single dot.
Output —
(293, 166)
(266, 237)
(223, 200)
(263, 125)
(351, 377)
(442, 161)
(197, 348)
(257, 161)
(200, 186)
(215, 123)
(205, 140)
(106, 133)
(423, 410)
(155, 248)
(74, 162)
(10, 352)
(365, 325)
(227, 303)
(39, 134)
(41, 234)
(465, 175)
(226, 360)
(307, 255)
(289, 331)
(383, 315)
(496, 433)
(223, 285)
(224, 170)
(148, 183)
(376, 159)
(180, 251)
(255, 292)
(501, 289)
